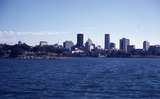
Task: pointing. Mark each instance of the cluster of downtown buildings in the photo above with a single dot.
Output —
(80, 49)
(124, 45)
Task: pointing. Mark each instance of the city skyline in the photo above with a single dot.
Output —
(33, 21)
(74, 40)
(80, 48)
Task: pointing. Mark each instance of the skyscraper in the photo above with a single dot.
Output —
(146, 45)
(80, 40)
(107, 42)
(124, 44)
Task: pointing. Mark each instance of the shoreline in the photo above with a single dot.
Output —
(67, 57)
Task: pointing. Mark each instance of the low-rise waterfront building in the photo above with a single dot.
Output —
(43, 43)
(68, 45)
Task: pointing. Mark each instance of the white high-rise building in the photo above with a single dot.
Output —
(146, 45)
(124, 44)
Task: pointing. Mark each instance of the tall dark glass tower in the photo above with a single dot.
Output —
(79, 40)
(107, 42)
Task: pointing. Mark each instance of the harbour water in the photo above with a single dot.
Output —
(80, 78)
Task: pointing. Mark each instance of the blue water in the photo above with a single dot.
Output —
(80, 78)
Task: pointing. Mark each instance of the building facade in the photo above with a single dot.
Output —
(124, 43)
(154, 50)
(107, 42)
(68, 45)
(146, 45)
(43, 43)
(80, 40)
(89, 45)
(112, 46)
(131, 48)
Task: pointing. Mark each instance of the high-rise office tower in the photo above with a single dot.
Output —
(107, 42)
(124, 44)
(146, 45)
(80, 40)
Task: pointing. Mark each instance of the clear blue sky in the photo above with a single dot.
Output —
(60, 20)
